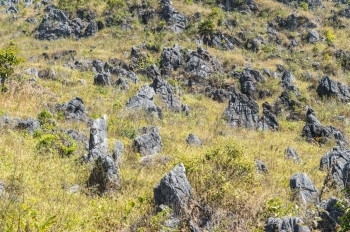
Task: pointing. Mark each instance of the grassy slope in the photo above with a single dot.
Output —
(36, 180)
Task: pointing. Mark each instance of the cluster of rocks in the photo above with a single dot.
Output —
(243, 111)
(30, 125)
(149, 142)
(73, 109)
(176, 20)
(57, 24)
(329, 88)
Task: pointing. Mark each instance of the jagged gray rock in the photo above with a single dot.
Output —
(176, 20)
(166, 92)
(221, 41)
(268, 121)
(303, 187)
(293, 22)
(73, 109)
(330, 215)
(291, 153)
(242, 111)
(144, 100)
(194, 140)
(313, 36)
(149, 143)
(174, 190)
(260, 166)
(330, 88)
(315, 131)
(102, 79)
(153, 72)
(121, 72)
(171, 59)
(104, 175)
(28, 124)
(56, 24)
(248, 80)
(285, 224)
(98, 143)
(220, 95)
(200, 65)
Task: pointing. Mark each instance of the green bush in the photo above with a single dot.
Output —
(8, 59)
(61, 143)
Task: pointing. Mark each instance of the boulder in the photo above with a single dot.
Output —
(200, 65)
(176, 20)
(171, 59)
(153, 72)
(221, 41)
(98, 143)
(193, 140)
(242, 111)
(149, 143)
(220, 95)
(56, 24)
(27, 124)
(285, 224)
(303, 187)
(330, 214)
(104, 176)
(291, 153)
(313, 36)
(166, 93)
(174, 190)
(144, 100)
(122, 84)
(123, 73)
(293, 22)
(268, 121)
(287, 102)
(248, 80)
(260, 166)
(73, 109)
(102, 79)
(315, 131)
(288, 81)
(329, 88)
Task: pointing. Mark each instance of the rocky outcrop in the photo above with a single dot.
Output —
(193, 140)
(285, 224)
(242, 111)
(221, 41)
(220, 95)
(104, 176)
(268, 121)
(303, 188)
(149, 143)
(315, 131)
(330, 214)
(144, 100)
(102, 79)
(313, 36)
(291, 153)
(56, 24)
(312, 4)
(293, 22)
(165, 91)
(329, 88)
(98, 143)
(248, 80)
(174, 190)
(28, 124)
(176, 20)
(200, 65)
(171, 59)
(73, 109)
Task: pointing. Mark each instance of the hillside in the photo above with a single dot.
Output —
(182, 115)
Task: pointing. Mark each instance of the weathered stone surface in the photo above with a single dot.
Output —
(221, 41)
(166, 92)
(73, 109)
(314, 130)
(293, 22)
(242, 111)
(329, 88)
(291, 153)
(287, 102)
(28, 124)
(174, 190)
(121, 72)
(261, 167)
(194, 140)
(149, 143)
(144, 100)
(220, 95)
(268, 121)
(171, 59)
(303, 187)
(285, 224)
(104, 175)
(176, 20)
(330, 215)
(153, 72)
(313, 36)
(79, 137)
(200, 65)
(248, 80)
(98, 143)
(102, 79)
(56, 24)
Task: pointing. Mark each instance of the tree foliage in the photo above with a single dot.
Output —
(8, 59)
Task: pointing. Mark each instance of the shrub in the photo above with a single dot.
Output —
(206, 27)
(8, 59)
(304, 6)
(57, 142)
(329, 33)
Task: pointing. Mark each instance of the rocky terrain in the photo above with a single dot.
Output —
(174, 115)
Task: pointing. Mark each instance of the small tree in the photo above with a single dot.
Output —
(8, 59)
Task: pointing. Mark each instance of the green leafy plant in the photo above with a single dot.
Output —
(8, 59)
